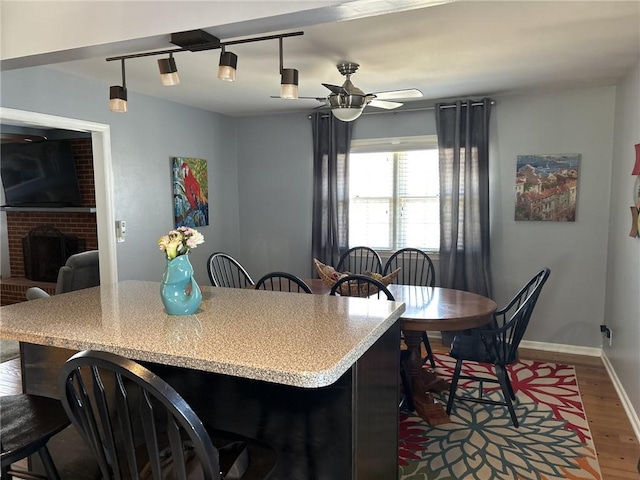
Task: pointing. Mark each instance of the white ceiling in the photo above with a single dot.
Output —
(463, 48)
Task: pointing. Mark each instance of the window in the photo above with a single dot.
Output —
(394, 194)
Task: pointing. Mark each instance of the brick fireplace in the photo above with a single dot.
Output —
(82, 225)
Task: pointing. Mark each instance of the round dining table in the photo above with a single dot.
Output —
(430, 309)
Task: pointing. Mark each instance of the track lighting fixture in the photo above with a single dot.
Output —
(168, 71)
(118, 95)
(227, 66)
(198, 41)
(288, 79)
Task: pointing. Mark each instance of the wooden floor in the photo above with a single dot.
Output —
(617, 447)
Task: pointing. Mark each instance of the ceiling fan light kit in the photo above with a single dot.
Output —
(346, 107)
(347, 114)
(198, 41)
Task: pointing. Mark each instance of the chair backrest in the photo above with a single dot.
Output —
(283, 282)
(358, 260)
(360, 286)
(226, 271)
(416, 267)
(81, 270)
(511, 321)
(128, 416)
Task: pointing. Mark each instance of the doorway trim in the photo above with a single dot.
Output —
(102, 173)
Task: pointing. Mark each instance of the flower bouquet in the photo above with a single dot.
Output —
(180, 241)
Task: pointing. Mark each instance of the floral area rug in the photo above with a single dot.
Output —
(552, 442)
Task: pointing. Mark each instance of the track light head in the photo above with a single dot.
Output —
(118, 99)
(227, 66)
(289, 83)
(168, 71)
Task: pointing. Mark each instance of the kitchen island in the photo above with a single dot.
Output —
(315, 376)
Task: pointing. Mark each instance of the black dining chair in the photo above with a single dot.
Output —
(27, 422)
(496, 345)
(360, 286)
(226, 271)
(283, 282)
(358, 260)
(416, 268)
(140, 427)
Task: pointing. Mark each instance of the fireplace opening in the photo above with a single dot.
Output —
(45, 249)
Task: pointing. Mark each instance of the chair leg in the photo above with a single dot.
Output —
(47, 462)
(427, 346)
(501, 373)
(511, 392)
(454, 386)
(407, 403)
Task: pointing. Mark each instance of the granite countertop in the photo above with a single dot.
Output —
(289, 338)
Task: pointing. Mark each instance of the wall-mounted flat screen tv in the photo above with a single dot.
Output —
(39, 174)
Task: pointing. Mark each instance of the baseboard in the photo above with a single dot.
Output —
(624, 399)
(548, 347)
(562, 348)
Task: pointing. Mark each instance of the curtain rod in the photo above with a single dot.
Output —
(418, 109)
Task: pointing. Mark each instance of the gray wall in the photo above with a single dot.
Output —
(275, 170)
(571, 306)
(622, 306)
(142, 143)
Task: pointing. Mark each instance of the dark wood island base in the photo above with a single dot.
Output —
(347, 430)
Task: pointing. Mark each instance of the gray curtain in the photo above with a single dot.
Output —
(463, 143)
(331, 142)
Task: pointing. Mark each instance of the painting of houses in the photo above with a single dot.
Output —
(547, 187)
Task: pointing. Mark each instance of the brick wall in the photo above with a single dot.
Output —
(14, 290)
(82, 225)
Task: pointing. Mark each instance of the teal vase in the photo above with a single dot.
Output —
(179, 291)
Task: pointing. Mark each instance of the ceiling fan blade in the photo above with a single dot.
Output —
(384, 104)
(395, 94)
(319, 99)
(336, 89)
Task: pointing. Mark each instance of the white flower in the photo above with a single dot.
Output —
(180, 241)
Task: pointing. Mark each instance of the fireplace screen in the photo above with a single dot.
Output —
(45, 249)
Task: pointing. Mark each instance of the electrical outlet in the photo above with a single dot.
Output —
(121, 230)
(609, 333)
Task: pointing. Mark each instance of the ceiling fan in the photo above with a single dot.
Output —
(347, 101)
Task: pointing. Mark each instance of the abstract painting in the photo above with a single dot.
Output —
(190, 192)
(547, 187)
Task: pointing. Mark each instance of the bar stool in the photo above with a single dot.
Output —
(28, 422)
